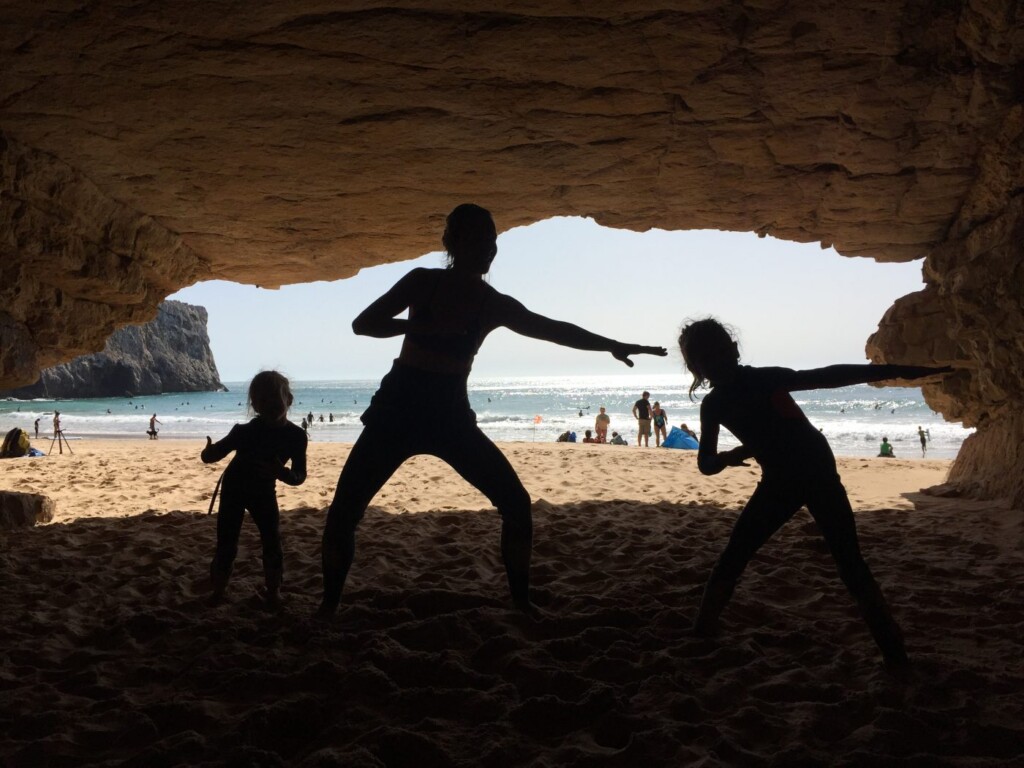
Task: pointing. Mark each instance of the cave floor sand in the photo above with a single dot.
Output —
(112, 657)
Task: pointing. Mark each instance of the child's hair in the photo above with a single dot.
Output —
(269, 395)
(702, 342)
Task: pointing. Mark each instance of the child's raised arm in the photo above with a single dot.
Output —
(217, 451)
(833, 376)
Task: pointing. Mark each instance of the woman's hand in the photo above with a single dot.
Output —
(623, 351)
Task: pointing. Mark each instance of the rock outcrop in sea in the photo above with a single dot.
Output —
(170, 353)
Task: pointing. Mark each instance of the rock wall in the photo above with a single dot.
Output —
(145, 146)
(971, 315)
(171, 353)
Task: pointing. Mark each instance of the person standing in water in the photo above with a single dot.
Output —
(451, 311)
(601, 423)
(797, 466)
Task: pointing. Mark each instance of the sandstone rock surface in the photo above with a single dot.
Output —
(146, 146)
(170, 353)
(23, 510)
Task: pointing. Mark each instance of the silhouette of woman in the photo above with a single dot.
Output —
(797, 466)
(451, 311)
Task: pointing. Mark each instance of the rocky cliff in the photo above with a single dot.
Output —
(168, 354)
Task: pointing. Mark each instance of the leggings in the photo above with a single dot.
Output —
(265, 513)
(774, 502)
(379, 452)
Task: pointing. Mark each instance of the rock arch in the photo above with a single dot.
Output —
(146, 147)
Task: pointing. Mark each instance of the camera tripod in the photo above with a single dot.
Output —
(61, 442)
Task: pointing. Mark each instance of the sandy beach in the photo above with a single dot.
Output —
(111, 656)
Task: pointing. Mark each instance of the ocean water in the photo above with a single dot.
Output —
(854, 419)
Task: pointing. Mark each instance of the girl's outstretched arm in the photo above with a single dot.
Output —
(513, 315)
(844, 375)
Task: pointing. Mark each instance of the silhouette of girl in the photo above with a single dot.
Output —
(262, 448)
(451, 311)
(797, 466)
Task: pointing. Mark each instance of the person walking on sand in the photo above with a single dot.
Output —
(923, 437)
(37, 429)
(262, 449)
(601, 424)
(450, 312)
(642, 414)
(153, 421)
(797, 467)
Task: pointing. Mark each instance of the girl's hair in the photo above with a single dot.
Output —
(469, 231)
(702, 342)
(269, 395)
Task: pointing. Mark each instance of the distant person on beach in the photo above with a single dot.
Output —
(688, 431)
(450, 313)
(617, 439)
(262, 449)
(56, 423)
(305, 425)
(642, 414)
(885, 449)
(37, 429)
(923, 437)
(601, 423)
(797, 466)
(660, 419)
(152, 432)
(587, 437)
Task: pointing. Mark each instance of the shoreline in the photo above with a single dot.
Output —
(124, 437)
(124, 476)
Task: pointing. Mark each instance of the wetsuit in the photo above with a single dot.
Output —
(798, 469)
(249, 484)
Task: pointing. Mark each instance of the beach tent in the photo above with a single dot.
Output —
(679, 439)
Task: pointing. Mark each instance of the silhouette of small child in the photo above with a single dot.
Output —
(262, 449)
(797, 466)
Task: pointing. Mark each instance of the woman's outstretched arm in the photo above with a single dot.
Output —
(513, 315)
(844, 375)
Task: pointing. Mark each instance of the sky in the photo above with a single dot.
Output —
(792, 304)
